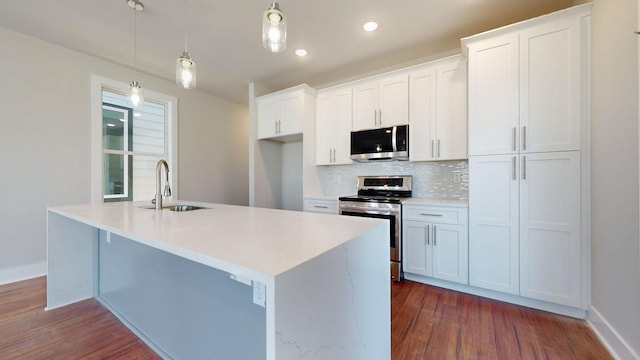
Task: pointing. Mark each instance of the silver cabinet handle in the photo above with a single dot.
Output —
(432, 142)
(320, 207)
(513, 167)
(524, 138)
(275, 123)
(438, 148)
(334, 155)
(434, 236)
(524, 168)
(380, 116)
(423, 214)
(513, 139)
(427, 230)
(375, 117)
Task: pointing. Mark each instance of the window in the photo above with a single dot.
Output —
(127, 143)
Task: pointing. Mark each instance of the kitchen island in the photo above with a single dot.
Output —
(228, 282)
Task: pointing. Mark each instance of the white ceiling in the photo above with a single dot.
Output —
(225, 35)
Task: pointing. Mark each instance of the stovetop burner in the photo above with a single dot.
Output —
(372, 198)
(382, 189)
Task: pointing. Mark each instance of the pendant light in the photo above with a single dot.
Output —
(185, 66)
(135, 90)
(274, 29)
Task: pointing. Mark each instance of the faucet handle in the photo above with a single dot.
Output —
(153, 201)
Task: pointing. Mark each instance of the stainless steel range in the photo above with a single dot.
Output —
(380, 197)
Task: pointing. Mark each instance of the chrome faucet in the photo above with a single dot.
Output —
(167, 189)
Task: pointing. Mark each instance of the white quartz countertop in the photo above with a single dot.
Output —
(436, 202)
(245, 241)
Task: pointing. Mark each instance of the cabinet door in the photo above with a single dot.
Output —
(493, 223)
(325, 113)
(267, 117)
(342, 127)
(450, 252)
(365, 106)
(493, 96)
(550, 227)
(550, 87)
(451, 113)
(291, 107)
(422, 115)
(416, 253)
(393, 101)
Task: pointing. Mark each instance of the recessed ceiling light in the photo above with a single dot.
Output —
(110, 125)
(370, 26)
(136, 114)
(301, 52)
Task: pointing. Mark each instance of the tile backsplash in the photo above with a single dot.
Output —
(430, 179)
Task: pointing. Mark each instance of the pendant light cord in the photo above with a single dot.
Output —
(135, 43)
(186, 25)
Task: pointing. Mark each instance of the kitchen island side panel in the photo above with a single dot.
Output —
(71, 260)
(183, 309)
(337, 306)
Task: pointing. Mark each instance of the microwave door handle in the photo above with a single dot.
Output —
(394, 142)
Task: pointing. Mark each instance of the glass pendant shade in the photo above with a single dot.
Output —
(186, 71)
(274, 29)
(135, 94)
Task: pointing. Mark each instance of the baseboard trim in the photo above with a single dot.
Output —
(24, 272)
(608, 335)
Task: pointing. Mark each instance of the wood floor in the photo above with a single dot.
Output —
(433, 323)
(427, 323)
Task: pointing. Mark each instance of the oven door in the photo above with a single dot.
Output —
(390, 212)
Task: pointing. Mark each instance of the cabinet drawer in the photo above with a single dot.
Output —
(435, 214)
(321, 206)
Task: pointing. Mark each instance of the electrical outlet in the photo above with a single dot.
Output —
(456, 178)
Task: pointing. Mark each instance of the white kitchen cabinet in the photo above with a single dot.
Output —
(524, 225)
(333, 127)
(525, 88)
(438, 111)
(381, 102)
(550, 227)
(281, 114)
(493, 223)
(325, 206)
(435, 242)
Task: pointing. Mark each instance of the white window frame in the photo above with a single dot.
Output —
(126, 158)
(98, 83)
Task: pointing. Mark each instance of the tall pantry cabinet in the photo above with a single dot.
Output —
(528, 111)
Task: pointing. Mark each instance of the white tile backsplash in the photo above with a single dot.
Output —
(432, 180)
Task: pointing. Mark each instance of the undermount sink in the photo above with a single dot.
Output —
(185, 207)
(177, 207)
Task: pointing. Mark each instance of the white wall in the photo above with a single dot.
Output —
(615, 263)
(45, 137)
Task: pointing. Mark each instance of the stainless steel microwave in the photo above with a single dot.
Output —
(390, 143)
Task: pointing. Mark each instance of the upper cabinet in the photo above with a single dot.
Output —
(381, 102)
(333, 127)
(281, 114)
(438, 111)
(525, 88)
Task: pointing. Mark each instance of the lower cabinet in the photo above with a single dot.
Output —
(435, 242)
(326, 206)
(525, 225)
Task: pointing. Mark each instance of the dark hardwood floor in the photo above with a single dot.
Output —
(427, 323)
(433, 323)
